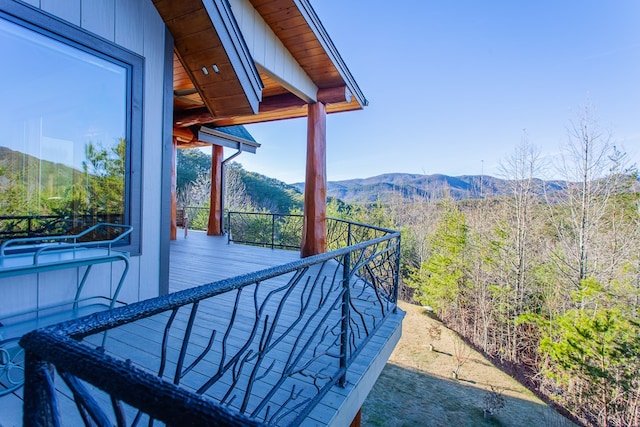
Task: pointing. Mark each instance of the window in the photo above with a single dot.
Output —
(71, 137)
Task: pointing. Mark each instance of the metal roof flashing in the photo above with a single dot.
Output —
(236, 137)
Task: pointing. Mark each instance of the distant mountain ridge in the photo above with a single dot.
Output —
(416, 186)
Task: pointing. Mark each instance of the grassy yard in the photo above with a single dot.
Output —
(417, 387)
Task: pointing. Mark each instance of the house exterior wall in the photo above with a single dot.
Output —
(136, 26)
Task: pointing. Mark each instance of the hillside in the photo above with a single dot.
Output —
(269, 193)
(246, 190)
(16, 166)
(415, 186)
(416, 386)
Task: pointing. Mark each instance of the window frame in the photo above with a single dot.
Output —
(53, 27)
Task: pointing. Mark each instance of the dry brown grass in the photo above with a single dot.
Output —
(417, 388)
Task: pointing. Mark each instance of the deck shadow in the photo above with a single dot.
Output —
(405, 396)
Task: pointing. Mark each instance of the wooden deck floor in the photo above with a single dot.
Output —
(201, 259)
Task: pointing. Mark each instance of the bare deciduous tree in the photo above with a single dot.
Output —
(521, 170)
(236, 198)
(196, 193)
(594, 170)
(462, 352)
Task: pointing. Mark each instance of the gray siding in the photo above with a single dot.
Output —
(153, 51)
(69, 10)
(99, 16)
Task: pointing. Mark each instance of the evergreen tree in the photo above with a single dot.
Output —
(594, 355)
(191, 163)
(439, 279)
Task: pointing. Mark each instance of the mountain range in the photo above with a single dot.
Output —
(415, 186)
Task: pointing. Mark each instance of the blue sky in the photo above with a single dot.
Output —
(452, 84)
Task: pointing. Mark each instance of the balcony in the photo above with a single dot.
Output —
(249, 335)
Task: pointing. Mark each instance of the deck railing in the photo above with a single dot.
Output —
(281, 231)
(16, 226)
(261, 348)
(284, 231)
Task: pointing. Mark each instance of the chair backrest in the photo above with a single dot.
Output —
(180, 217)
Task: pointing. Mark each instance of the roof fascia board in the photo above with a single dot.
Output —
(235, 45)
(279, 64)
(215, 137)
(323, 38)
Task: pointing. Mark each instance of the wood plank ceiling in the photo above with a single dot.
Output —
(220, 101)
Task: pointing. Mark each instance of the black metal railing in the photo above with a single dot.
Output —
(284, 231)
(18, 226)
(262, 348)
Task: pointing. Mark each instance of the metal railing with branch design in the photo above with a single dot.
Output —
(262, 348)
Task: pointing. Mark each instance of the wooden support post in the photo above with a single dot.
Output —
(314, 233)
(173, 234)
(214, 227)
(357, 420)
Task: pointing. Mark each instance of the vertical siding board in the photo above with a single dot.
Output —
(153, 51)
(18, 294)
(269, 51)
(289, 74)
(247, 27)
(251, 25)
(34, 3)
(98, 16)
(59, 286)
(129, 292)
(239, 12)
(259, 42)
(129, 24)
(69, 10)
(280, 59)
(99, 281)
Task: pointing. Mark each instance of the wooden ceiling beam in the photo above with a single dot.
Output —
(272, 107)
(183, 135)
(271, 104)
(280, 102)
(333, 95)
(194, 116)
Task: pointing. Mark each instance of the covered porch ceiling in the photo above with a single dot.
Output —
(217, 82)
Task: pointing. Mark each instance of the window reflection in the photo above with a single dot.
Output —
(63, 152)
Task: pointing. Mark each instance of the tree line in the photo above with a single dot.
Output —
(548, 286)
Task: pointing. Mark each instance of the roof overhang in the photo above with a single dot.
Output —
(224, 138)
(220, 80)
(330, 50)
(214, 55)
